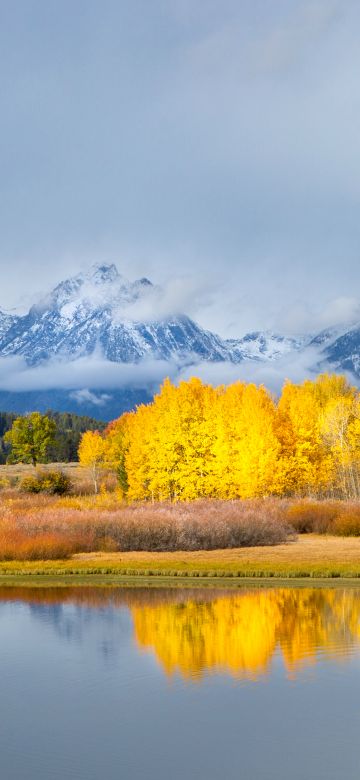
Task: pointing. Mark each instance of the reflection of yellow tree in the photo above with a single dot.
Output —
(241, 633)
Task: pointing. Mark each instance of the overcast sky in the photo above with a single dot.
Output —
(212, 144)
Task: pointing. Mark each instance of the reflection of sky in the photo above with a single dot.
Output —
(66, 712)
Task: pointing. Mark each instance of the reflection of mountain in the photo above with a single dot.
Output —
(77, 615)
(197, 631)
(99, 617)
(73, 623)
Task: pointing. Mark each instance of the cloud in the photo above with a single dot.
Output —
(295, 366)
(177, 295)
(93, 372)
(342, 311)
(86, 396)
(233, 144)
(243, 46)
(92, 379)
(288, 42)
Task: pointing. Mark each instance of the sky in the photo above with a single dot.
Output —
(212, 147)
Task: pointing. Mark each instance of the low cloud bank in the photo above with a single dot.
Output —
(90, 380)
(295, 366)
(85, 372)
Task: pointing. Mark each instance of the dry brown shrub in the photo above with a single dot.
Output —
(15, 545)
(201, 525)
(109, 483)
(310, 516)
(43, 526)
(341, 518)
(347, 522)
(83, 487)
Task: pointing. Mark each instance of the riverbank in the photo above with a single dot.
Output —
(310, 556)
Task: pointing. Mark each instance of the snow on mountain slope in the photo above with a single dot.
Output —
(99, 312)
(343, 351)
(266, 345)
(6, 321)
(94, 311)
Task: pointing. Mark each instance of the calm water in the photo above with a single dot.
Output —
(105, 684)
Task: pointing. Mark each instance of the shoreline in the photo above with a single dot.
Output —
(308, 558)
(162, 582)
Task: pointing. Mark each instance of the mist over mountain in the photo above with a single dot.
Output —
(99, 344)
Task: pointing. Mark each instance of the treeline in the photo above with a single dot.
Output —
(195, 441)
(65, 444)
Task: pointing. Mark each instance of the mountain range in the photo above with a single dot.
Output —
(101, 314)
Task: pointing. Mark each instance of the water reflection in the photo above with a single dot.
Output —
(193, 632)
(240, 634)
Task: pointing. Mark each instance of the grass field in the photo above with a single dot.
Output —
(310, 556)
(16, 472)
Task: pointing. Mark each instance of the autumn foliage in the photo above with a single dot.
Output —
(197, 441)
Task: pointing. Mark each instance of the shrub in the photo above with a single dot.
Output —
(51, 482)
(17, 546)
(308, 516)
(341, 518)
(83, 487)
(347, 523)
(109, 484)
(42, 526)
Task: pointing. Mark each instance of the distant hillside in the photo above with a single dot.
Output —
(110, 404)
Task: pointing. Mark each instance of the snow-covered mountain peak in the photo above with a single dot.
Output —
(103, 273)
(99, 310)
(99, 288)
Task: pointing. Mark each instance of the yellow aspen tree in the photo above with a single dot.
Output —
(247, 448)
(116, 437)
(354, 441)
(225, 483)
(299, 433)
(140, 453)
(167, 447)
(197, 441)
(259, 448)
(92, 453)
(181, 440)
(341, 432)
(193, 432)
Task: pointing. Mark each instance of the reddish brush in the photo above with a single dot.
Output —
(15, 545)
(341, 518)
(39, 528)
(44, 527)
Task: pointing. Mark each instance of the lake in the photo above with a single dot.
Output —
(259, 683)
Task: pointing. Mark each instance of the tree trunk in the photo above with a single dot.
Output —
(95, 478)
